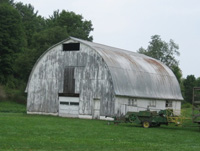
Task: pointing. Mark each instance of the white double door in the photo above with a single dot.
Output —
(68, 106)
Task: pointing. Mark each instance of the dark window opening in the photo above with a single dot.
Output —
(71, 47)
(69, 94)
(168, 103)
(74, 103)
(64, 103)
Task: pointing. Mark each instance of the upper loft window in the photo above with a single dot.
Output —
(71, 47)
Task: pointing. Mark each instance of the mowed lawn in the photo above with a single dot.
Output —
(19, 131)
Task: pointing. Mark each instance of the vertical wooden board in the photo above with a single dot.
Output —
(69, 81)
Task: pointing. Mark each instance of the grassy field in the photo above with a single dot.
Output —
(19, 131)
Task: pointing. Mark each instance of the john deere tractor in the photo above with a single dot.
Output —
(151, 118)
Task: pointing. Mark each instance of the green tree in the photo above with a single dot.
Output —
(189, 84)
(198, 82)
(177, 71)
(48, 37)
(75, 25)
(24, 63)
(41, 41)
(32, 23)
(11, 40)
(161, 50)
(10, 2)
(165, 52)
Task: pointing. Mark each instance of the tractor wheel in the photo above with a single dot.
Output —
(132, 118)
(146, 124)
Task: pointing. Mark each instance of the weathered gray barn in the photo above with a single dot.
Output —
(77, 78)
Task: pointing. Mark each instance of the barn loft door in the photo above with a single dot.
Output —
(69, 81)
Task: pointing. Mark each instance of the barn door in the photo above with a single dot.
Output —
(68, 100)
(96, 109)
(69, 81)
(68, 106)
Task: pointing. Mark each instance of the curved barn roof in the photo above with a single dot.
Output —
(137, 75)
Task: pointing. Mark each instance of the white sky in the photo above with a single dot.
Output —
(129, 24)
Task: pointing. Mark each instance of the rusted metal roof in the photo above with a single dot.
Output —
(137, 75)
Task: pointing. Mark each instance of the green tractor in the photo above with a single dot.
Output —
(151, 118)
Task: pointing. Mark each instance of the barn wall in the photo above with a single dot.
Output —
(44, 83)
(91, 75)
(176, 105)
(123, 105)
(93, 81)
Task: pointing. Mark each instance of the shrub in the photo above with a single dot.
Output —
(186, 105)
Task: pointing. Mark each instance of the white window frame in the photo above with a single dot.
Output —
(152, 103)
(132, 102)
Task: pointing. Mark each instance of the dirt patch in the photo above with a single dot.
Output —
(2, 93)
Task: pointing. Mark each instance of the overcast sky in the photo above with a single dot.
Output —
(129, 24)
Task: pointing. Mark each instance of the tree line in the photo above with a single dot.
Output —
(25, 35)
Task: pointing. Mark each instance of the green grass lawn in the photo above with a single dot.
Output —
(19, 131)
(12, 107)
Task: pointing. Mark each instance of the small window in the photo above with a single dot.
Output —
(152, 103)
(168, 103)
(129, 102)
(74, 103)
(132, 102)
(71, 47)
(64, 103)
